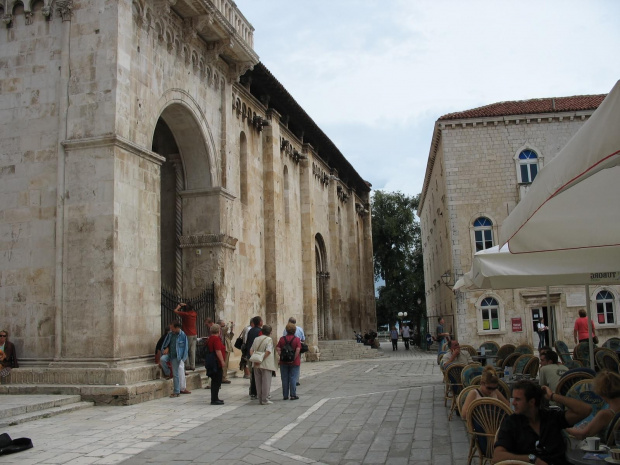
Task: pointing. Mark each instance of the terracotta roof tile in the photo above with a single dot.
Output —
(533, 106)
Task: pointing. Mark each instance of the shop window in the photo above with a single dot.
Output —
(605, 308)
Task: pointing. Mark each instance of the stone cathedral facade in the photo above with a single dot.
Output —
(144, 145)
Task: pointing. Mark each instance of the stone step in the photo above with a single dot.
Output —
(44, 413)
(346, 350)
(40, 404)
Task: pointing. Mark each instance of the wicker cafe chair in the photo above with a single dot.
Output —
(606, 359)
(490, 347)
(503, 352)
(562, 349)
(475, 381)
(452, 380)
(524, 349)
(612, 343)
(504, 389)
(614, 425)
(484, 418)
(569, 379)
(584, 391)
(582, 353)
(472, 351)
(520, 363)
(510, 360)
(573, 364)
(463, 397)
(531, 368)
(469, 372)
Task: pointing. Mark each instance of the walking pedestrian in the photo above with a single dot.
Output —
(394, 338)
(406, 335)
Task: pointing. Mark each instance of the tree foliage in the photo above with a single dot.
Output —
(397, 256)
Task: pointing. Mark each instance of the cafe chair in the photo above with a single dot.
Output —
(606, 359)
(612, 343)
(584, 391)
(510, 360)
(504, 389)
(614, 425)
(475, 381)
(531, 368)
(571, 377)
(562, 349)
(582, 353)
(484, 418)
(454, 386)
(472, 351)
(524, 349)
(490, 348)
(439, 356)
(573, 364)
(463, 397)
(469, 372)
(503, 352)
(520, 363)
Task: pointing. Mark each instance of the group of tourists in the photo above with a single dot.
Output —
(175, 352)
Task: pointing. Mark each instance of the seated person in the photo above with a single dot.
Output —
(488, 388)
(8, 355)
(550, 372)
(456, 356)
(532, 434)
(606, 385)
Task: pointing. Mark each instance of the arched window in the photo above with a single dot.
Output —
(605, 308)
(489, 309)
(483, 233)
(528, 166)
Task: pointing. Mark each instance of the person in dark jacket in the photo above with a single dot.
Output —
(253, 334)
(8, 355)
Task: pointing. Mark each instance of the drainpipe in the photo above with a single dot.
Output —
(64, 8)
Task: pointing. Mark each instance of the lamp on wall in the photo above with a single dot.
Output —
(449, 279)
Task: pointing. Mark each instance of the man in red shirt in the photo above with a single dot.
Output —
(188, 319)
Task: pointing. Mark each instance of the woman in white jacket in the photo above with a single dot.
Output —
(263, 370)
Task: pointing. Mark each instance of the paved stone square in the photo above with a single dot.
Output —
(386, 410)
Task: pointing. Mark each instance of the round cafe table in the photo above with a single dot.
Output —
(575, 456)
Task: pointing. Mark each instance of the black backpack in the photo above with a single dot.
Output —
(287, 353)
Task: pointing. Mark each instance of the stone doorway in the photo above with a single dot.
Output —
(322, 290)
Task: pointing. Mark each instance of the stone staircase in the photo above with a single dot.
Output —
(16, 409)
(346, 350)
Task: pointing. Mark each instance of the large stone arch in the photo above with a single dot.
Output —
(323, 307)
(192, 134)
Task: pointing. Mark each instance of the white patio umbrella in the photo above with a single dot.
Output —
(566, 229)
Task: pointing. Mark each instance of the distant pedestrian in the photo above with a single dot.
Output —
(226, 335)
(394, 338)
(542, 333)
(581, 331)
(263, 370)
(406, 333)
(174, 349)
(289, 370)
(214, 344)
(442, 335)
(188, 318)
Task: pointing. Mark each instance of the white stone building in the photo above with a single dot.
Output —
(480, 164)
(143, 144)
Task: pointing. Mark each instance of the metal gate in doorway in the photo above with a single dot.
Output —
(204, 304)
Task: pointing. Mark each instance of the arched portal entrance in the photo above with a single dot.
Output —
(322, 290)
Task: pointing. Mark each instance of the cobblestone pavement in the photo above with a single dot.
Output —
(387, 410)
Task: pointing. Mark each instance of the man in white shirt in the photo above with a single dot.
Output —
(406, 333)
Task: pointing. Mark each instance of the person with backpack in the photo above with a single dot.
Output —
(289, 349)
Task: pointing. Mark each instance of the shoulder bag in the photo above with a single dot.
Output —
(258, 355)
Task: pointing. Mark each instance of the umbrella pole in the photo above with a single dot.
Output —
(551, 322)
(590, 343)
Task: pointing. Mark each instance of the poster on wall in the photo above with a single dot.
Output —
(517, 326)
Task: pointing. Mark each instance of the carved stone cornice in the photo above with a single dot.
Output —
(64, 9)
(207, 240)
(113, 140)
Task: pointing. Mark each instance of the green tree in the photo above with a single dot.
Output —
(397, 252)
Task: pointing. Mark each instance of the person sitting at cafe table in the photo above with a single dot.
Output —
(488, 388)
(532, 434)
(454, 355)
(607, 385)
(550, 372)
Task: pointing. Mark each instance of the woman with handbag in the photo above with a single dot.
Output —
(263, 364)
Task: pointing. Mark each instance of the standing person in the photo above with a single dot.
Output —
(253, 334)
(174, 349)
(542, 333)
(209, 325)
(394, 338)
(243, 361)
(406, 335)
(441, 333)
(188, 318)
(532, 434)
(8, 355)
(581, 331)
(289, 369)
(263, 370)
(214, 344)
(299, 332)
(226, 335)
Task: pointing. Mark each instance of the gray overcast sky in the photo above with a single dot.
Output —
(376, 74)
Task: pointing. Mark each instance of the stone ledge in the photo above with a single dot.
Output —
(81, 376)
